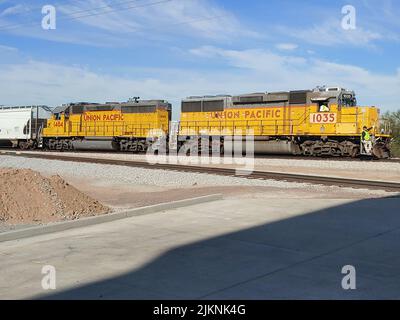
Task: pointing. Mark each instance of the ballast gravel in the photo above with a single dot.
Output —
(332, 164)
(115, 174)
(265, 162)
(134, 175)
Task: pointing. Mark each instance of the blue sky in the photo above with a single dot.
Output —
(110, 50)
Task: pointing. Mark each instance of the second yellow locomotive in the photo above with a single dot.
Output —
(130, 126)
(323, 121)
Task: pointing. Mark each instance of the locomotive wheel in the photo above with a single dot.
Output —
(355, 152)
(23, 145)
(380, 153)
(33, 146)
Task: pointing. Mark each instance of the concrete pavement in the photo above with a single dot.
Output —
(256, 248)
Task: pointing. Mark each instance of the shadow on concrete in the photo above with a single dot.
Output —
(296, 258)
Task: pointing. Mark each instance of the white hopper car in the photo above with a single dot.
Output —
(20, 126)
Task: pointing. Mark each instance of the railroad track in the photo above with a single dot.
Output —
(257, 156)
(265, 175)
(311, 158)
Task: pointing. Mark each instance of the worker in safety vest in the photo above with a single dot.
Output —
(324, 108)
(365, 135)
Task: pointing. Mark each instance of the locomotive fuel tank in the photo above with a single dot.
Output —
(263, 146)
(95, 145)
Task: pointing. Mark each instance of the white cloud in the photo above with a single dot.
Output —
(286, 46)
(383, 13)
(256, 59)
(330, 33)
(121, 23)
(10, 11)
(202, 13)
(101, 15)
(8, 48)
(269, 71)
(37, 82)
(150, 20)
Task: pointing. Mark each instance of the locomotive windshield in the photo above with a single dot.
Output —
(348, 100)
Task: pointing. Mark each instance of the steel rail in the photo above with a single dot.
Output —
(256, 156)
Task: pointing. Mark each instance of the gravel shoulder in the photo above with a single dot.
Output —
(123, 187)
(368, 170)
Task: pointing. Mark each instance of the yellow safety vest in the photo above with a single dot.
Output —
(367, 136)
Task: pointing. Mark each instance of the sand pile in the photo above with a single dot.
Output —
(28, 197)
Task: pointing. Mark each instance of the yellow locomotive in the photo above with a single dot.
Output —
(318, 122)
(325, 121)
(129, 126)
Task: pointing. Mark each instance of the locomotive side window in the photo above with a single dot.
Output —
(323, 106)
(348, 100)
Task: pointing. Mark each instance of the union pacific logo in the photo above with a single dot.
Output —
(104, 117)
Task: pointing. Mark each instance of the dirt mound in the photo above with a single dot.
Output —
(26, 196)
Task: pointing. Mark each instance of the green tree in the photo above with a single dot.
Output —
(393, 118)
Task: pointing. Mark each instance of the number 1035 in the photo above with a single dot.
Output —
(323, 117)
